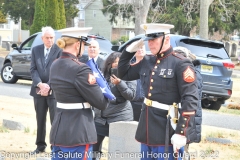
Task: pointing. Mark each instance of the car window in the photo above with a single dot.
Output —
(202, 49)
(27, 45)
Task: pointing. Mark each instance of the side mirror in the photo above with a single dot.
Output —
(14, 46)
(115, 48)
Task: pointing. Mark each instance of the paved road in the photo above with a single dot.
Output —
(221, 120)
(22, 88)
(19, 90)
(1, 63)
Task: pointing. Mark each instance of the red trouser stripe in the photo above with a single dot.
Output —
(86, 152)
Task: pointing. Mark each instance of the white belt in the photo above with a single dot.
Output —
(73, 105)
(156, 104)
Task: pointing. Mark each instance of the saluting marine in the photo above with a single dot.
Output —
(167, 78)
(75, 89)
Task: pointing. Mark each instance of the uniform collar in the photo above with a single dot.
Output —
(166, 53)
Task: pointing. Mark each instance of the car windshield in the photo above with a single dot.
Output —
(205, 49)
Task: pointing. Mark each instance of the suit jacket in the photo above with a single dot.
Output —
(39, 70)
(99, 62)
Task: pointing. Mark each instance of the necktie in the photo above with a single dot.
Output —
(46, 55)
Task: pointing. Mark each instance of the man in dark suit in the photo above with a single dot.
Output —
(93, 52)
(42, 57)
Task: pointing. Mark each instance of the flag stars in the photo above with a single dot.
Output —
(96, 74)
(103, 90)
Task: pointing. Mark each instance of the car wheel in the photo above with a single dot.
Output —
(206, 103)
(7, 74)
(215, 105)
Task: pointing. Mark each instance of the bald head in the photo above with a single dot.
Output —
(93, 49)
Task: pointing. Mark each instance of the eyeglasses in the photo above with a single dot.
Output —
(155, 35)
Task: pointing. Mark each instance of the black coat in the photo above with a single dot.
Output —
(166, 78)
(69, 80)
(121, 108)
(39, 70)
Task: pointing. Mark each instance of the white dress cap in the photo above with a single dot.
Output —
(75, 32)
(150, 28)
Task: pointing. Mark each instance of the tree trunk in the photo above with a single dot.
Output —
(204, 7)
(141, 8)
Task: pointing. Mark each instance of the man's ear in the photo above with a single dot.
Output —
(167, 39)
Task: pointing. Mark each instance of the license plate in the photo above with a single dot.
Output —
(206, 68)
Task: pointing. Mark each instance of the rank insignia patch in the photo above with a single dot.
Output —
(91, 79)
(188, 75)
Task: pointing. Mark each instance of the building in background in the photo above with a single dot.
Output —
(91, 15)
(11, 32)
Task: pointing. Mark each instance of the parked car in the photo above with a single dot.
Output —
(216, 67)
(17, 63)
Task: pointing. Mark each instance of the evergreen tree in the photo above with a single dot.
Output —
(2, 17)
(71, 10)
(62, 17)
(39, 17)
(52, 12)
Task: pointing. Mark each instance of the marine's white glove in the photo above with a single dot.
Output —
(135, 46)
(178, 141)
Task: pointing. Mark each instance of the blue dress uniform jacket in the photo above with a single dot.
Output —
(69, 80)
(164, 79)
(198, 115)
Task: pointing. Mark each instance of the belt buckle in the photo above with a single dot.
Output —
(148, 102)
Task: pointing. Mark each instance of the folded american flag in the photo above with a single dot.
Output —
(101, 81)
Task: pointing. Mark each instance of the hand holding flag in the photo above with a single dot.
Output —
(101, 81)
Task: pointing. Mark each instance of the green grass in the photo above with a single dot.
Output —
(208, 152)
(3, 129)
(229, 111)
(26, 130)
(225, 110)
(216, 135)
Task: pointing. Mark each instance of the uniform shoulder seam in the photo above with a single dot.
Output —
(76, 61)
(179, 56)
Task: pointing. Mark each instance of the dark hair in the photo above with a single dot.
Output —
(108, 63)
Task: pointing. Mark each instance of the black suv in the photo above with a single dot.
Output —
(216, 67)
(17, 63)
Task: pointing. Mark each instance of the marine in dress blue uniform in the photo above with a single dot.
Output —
(167, 77)
(73, 131)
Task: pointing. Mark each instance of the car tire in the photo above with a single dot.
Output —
(7, 74)
(206, 103)
(215, 105)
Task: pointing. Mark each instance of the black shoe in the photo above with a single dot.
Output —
(36, 151)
